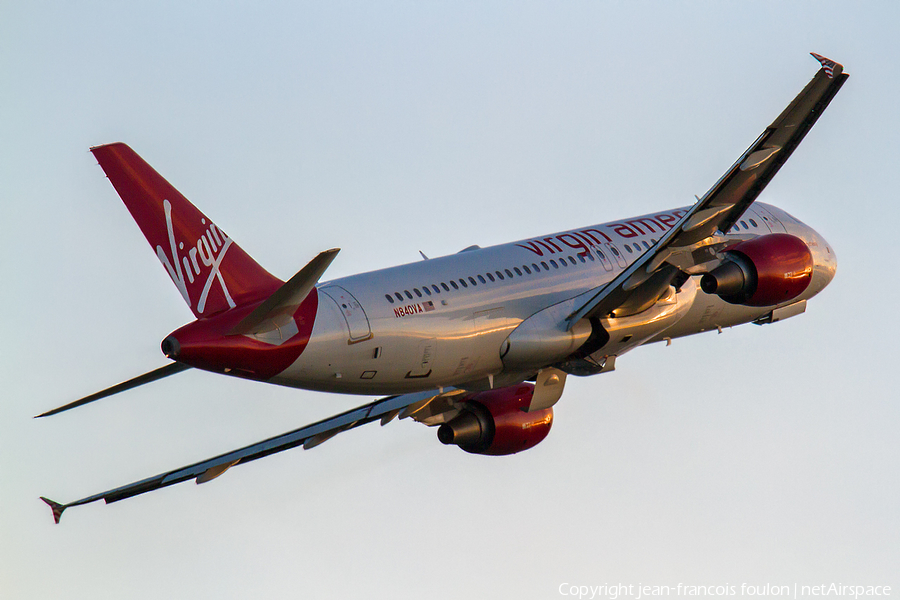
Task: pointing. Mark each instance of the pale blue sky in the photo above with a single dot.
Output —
(762, 455)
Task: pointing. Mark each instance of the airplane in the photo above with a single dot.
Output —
(478, 344)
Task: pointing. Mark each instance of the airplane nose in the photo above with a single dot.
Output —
(825, 262)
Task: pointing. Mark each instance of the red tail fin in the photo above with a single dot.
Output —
(211, 271)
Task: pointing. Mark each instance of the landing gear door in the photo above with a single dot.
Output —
(352, 310)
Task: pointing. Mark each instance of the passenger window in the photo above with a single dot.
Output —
(453, 283)
(545, 265)
(752, 222)
(408, 295)
(744, 224)
(527, 270)
(399, 297)
(444, 285)
(426, 290)
(509, 273)
(436, 289)
(491, 277)
(418, 293)
(600, 252)
(581, 258)
(553, 262)
(628, 248)
(472, 281)
(463, 282)
(500, 275)
(389, 298)
(571, 260)
(646, 245)
(481, 279)
(518, 272)
(536, 268)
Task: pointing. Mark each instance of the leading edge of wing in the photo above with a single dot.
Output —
(731, 195)
(308, 436)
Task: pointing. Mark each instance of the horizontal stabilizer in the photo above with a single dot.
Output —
(131, 383)
(287, 298)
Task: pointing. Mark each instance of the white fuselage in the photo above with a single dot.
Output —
(443, 322)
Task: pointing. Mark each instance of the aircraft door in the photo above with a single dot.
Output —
(611, 249)
(771, 222)
(604, 258)
(352, 310)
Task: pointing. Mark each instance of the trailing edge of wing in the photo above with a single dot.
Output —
(287, 298)
(727, 200)
(308, 436)
(127, 385)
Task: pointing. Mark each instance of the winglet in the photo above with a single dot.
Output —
(832, 69)
(56, 507)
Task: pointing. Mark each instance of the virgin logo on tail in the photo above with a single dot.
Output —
(208, 251)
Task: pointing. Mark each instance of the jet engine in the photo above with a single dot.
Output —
(764, 271)
(495, 422)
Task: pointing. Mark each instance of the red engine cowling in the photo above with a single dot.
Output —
(764, 271)
(495, 422)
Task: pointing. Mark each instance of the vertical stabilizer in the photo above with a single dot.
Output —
(212, 273)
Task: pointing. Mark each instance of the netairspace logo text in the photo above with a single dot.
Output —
(640, 591)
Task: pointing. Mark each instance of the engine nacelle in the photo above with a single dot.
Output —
(495, 422)
(764, 271)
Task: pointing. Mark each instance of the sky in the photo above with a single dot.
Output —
(764, 455)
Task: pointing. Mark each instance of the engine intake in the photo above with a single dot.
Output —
(494, 422)
(764, 271)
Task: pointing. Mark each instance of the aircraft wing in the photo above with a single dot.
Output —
(689, 241)
(422, 406)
